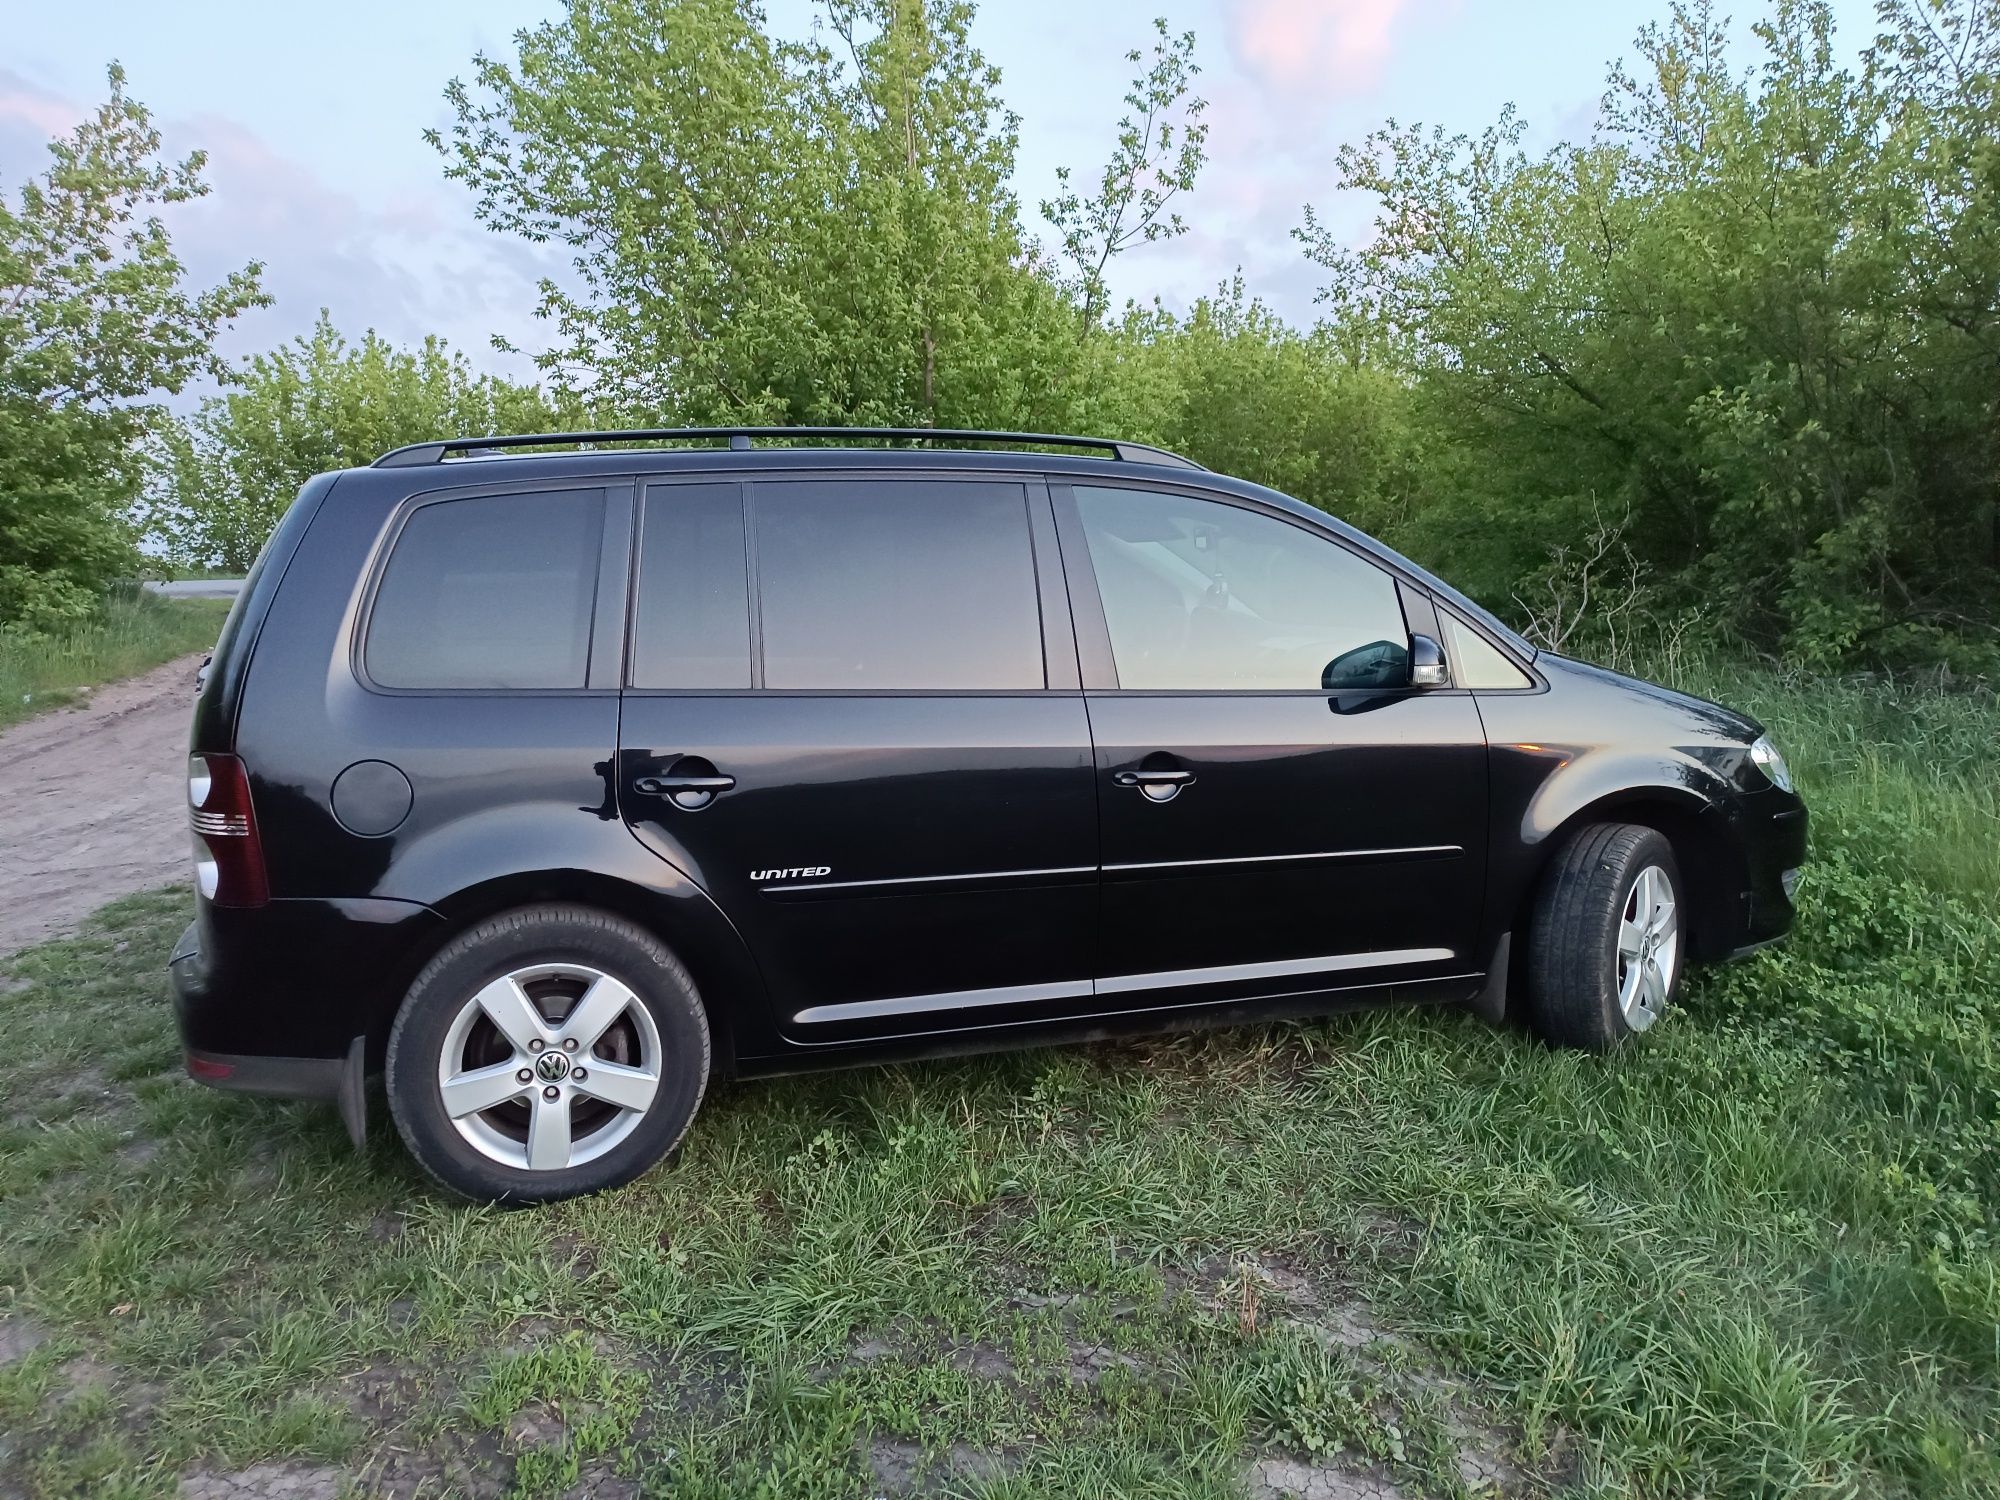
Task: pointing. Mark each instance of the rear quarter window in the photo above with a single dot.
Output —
(489, 591)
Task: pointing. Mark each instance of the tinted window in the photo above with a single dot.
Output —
(1475, 662)
(492, 592)
(692, 629)
(1200, 595)
(897, 584)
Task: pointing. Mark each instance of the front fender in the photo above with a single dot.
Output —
(1542, 792)
(1561, 784)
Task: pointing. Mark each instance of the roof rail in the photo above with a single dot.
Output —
(742, 438)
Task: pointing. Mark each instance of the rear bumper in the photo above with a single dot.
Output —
(342, 1080)
(293, 999)
(272, 1077)
(257, 985)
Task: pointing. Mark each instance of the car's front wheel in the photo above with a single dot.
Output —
(1605, 946)
(545, 1053)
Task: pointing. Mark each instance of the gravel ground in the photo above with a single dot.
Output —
(93, 803)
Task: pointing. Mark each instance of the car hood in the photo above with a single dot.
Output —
(1699, 716)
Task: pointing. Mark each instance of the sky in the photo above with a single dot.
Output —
(313, 116)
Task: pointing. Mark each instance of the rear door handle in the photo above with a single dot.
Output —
(1155, 786)
(689, 793)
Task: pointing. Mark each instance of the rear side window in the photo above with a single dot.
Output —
(493, 591)
(904, 583)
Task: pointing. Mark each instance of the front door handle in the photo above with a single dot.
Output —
(689, 793)
(1155, 786)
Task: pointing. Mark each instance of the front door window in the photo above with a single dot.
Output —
(1206, 597)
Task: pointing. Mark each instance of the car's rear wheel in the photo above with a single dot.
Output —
(547, 1052)
(1606, 945)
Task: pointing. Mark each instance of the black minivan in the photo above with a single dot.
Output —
(552, 784)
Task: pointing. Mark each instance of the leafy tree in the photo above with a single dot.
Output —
(824, 232)
(1162, 145)
(760, 230)
(96, 322)
(1234, 387)
(1756, 313)
(317, 403)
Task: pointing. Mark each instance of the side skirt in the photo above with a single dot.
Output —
(1194, 1016)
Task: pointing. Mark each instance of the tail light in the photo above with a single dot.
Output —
(228, 855)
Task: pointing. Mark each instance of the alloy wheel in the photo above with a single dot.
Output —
(550, 1067)
(1648, 948)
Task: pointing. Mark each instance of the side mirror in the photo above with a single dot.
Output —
(1427, 664)
(1379, 664)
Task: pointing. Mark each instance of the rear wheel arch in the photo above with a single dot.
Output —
(725, 981)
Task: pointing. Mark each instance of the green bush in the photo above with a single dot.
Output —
(227, 473)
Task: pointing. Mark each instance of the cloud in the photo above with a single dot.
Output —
(1579, 122)
(30, 118)
(1291, 45)
(26, 110)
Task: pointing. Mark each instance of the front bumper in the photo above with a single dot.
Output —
(1772, 829)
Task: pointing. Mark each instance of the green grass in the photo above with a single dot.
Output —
(130, 634)
(1754, 1256)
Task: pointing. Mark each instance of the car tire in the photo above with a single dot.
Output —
(1606, 946)
(546, 1053)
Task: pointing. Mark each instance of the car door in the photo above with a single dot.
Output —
(1281, 812)
(852, 715)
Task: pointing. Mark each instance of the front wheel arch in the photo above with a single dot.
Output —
(1712, 868)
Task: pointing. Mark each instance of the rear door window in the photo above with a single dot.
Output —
(896, 584)
(489, 591)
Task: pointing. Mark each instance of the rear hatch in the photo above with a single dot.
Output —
(220, 690)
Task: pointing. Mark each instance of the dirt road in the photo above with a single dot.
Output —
(93, 803)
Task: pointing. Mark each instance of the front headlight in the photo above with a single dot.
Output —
(1771, 763)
